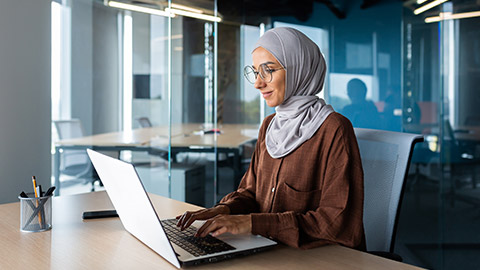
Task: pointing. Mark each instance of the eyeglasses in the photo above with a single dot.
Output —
(263, 70)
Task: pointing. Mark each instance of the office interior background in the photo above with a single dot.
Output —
(113, 70)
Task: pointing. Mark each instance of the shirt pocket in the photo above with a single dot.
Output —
(299, 201)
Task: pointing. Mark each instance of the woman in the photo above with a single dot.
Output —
(304, 186)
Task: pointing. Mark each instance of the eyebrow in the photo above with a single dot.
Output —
(266, 63)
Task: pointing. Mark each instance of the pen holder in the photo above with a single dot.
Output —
(35, 214)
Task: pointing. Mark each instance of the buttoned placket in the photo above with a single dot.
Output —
(275, 184)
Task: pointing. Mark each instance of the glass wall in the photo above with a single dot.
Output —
(441, 71)
(158, 85)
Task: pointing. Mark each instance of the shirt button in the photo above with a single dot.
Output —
(273, 189)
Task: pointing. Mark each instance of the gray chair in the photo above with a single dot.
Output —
(385, 159)
(144, 122)
(142, 160)
(75, 163)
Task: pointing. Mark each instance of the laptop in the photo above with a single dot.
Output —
(139, 218)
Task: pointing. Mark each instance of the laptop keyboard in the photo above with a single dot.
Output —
(197, 246)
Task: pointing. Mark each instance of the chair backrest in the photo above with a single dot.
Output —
(144, 122)
(385, 159)
(69, 129)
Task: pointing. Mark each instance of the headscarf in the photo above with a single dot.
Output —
(302, 112)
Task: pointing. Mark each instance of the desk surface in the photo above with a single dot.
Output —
(467, 133)
(183, 135)
(104, 244)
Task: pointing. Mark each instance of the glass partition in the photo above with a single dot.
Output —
(441, 71)
(159, 85)
(87, 87)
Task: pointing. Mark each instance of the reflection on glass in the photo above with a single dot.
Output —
(441, 67)
(362, 112)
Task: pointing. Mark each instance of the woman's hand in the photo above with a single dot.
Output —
(185, 220)
(236, 224)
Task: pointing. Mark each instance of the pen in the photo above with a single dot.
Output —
(49, 191)
(34, 181)
(29, 202)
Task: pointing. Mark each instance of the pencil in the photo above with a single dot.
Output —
(34, 181)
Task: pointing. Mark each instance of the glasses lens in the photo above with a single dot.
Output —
(265, 73)
(249, 74)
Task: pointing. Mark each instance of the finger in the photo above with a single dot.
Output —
(201, 215)
(214, 225)
(204, 227)
(183, 218)
(188, 221)
(219, 231)
(179, 221)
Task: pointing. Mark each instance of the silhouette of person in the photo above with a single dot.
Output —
(361, 112)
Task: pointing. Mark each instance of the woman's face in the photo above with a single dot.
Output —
(274, 91)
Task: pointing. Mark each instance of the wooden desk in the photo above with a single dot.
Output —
(184, 138)
(104, 244)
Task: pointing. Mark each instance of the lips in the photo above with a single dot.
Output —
(267, 94)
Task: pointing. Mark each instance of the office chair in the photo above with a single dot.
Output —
(75, 163)
(463, 160)
(458, 158)
(385, 159)
(144, 122)
(140, 158)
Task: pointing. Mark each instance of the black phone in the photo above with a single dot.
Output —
(99, 214)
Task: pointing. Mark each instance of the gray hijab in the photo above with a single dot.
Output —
(302, 112)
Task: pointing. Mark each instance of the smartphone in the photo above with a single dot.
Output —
(99, 214)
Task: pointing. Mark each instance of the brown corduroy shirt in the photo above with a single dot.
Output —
(309, 198)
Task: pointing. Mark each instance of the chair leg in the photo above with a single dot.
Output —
(449, 173)
(474, 177)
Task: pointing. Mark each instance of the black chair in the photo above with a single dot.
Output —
(462, 161)
(457, 161)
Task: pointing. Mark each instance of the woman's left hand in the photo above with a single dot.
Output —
(235, 224)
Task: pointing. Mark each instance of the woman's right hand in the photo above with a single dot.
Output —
(185, 220)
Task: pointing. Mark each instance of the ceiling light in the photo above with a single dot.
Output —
(419, 2)
(193, 15)
(428, 6)
(450, 16)
(140, 9)
(186, 8)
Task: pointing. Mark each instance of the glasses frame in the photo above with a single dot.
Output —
(248, 69)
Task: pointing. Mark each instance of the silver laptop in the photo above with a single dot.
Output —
(139, 218)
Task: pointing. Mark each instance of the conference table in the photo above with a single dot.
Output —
(104, 244)
(192, 137)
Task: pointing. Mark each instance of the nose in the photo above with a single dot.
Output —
(259, 83)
